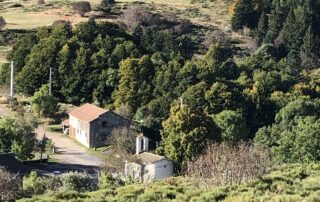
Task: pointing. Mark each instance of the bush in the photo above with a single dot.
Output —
(2, 22)
(81, 7)
(222, 164)
(40, 2)
(72, 181)
(15, 5)
(105, 5)
(106, 181)
(76, 181)
(34, 185)
(10, 187)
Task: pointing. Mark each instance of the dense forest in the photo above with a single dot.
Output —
(239, 123)
(150, 67)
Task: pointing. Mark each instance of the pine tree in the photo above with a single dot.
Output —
(310, 50)
(277, 17)
(243, 15)
(292, 31)
(262, 29)
(134, 87)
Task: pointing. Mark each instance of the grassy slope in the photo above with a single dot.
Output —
(212, 15)
(286, 183)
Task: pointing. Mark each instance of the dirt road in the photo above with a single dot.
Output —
(69, 152)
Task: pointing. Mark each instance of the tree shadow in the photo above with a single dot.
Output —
(51, 168)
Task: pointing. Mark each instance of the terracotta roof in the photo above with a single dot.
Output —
(12, 165)
(147, 157)
(87, 112)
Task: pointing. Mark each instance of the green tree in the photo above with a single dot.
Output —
(185, 134)
(294, 137)
(7, 130)
(42, 57)
(19, 53)
(134, 87)
(301, 143)
(222, 96)
(24, 143)
(43, 103)
(18, 137)
(232, 126)
(244, 15)
(194, 97)
(262, 29)
(292, 31)
(310, 50)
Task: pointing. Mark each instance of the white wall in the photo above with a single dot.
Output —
(160, 169)
(81, 135)
(73, 121)
(155, 171)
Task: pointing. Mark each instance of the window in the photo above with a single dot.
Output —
(104, 124)
(142, 144)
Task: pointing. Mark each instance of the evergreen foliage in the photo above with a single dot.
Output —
(18, 137)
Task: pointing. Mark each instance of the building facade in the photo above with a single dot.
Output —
(91, 125)
(148, 166)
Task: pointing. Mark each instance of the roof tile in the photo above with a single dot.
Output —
(87, 112)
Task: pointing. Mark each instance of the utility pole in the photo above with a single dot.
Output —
(11, 80)
(50, 81)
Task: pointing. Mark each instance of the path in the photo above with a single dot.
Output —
(69, 152)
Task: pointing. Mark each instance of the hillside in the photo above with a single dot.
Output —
(209, 15)
(286, 183)
(224, 90)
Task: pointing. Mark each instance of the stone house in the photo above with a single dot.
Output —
(91, 125)
(147, 166)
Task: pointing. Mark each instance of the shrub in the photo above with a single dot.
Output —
(134, 16)
(15, 5)
(105, 5)
(216, 37)
(222, 164)
(72, 181)
(76, 181)
(10, 187)
(81, 7)
(106, 181)
(34, 185)
(58, 22)
(40, 2)
(2, 22)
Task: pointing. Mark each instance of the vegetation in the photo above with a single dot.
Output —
(185, 134)
(196, 87)
(82, 7)
(106, 5)
(2, 22)
(18, 137)
(290, 25)
(43, 103)
(10, 186)
(286, 183)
